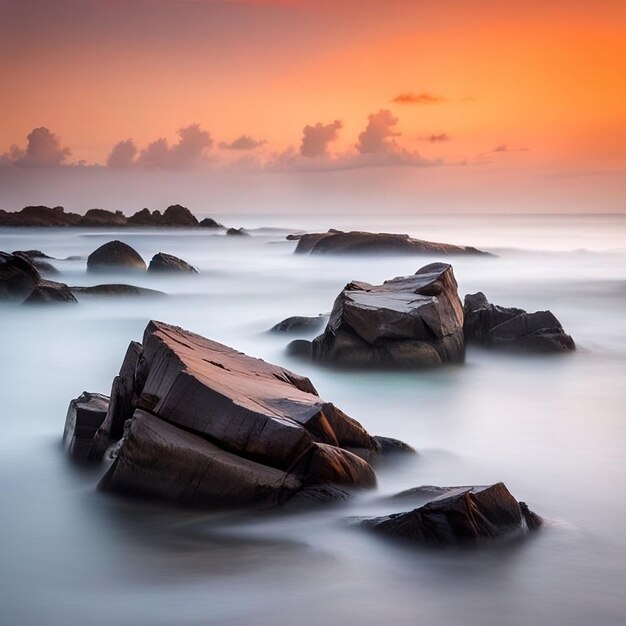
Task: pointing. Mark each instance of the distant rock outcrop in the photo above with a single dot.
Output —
(196, 423)
(237, 232)
(115, 255)
(209, 222)
(497, 326)
(102, 217)
(467, 515)
(355, 242)
(409, 321)
(163, 262)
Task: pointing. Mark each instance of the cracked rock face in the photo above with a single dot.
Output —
(197, 423)
(410, 321)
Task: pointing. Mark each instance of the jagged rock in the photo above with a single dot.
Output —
(163, 262)
(205, 425)
(32, 216)
(237, 232)
(84, 416)
(18, 276)
(145, 218)
(115, 289)
(409, 321)
(355, 242)
(50, 292)
(102, 217)
(115, 255)
(300, 324)
(493, 325)
(209, 222)
(466, 515)
(177, 215)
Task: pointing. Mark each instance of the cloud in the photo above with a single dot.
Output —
(245, 142)
(315, 139)
(504, 147)
(436, 137)
(123, 154)
(43, 148)
(189, 152)
(378, 133)
(418, 98)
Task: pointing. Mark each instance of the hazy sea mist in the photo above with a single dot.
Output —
(551, 427)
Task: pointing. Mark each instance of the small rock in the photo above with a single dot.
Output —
(163, 262)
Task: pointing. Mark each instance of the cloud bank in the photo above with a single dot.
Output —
(315, 139)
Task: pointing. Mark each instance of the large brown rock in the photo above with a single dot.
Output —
(18, 277)
(209, 406)
(163, 262)
(465, 515)
(50, 292)
(84, 416)
(497, 326)
(356, 242)
(115, 255)
(408, 321)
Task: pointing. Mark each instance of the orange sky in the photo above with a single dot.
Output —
(544, 79)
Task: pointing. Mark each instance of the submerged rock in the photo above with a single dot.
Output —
(409, 321)
(197, 423)
(18, 277)
(466, 515)
(237, 232)
(163, 262)
(50, 292)
(115, 289)
(497, 326)
(209, 222)
(356, 242)
(38, 261)
(115, 255)
(299, 324)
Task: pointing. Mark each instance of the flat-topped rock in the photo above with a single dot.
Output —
(497, 326)
(408, 321)
(462, 516)
(115, 255)
(115, 289)
(50, 292)
(102, 217)
(163, 262)
(85, 414)
(357, 242)
(212, 408)
(36, 216)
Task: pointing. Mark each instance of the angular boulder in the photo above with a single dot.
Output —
(115, 255)
(50, 292)
(163, 262)
(18, 277)
(356, 242)
(84, 416)
(195, 422)
(497, 326)
(410, 321)
(463, 516)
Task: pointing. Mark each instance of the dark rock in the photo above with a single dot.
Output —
(38, 261)
(299, 324)
(102, 217)
(115, 255)
(209, 222)
(300, 348)
(18, 277)
(237, 232)
(338, 242)
(466, 516)
(177, 215)
(33, 254)
(84, 416)
(207, 426)
(409, 321)
(496, 326)
(163, 262)
(389, 445)
(32, 216)
(50, 292)
(145, 218)
(115, 290)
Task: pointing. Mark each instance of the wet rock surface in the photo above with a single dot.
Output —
(197, 423)
(300, 324)
(509, 327)
(356, 242)
(50, 292)
(410, 321)
(462, 516)
(18, 277)
(115, 255)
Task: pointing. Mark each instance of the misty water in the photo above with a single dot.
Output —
(551, 427)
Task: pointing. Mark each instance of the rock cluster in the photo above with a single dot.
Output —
(356, 242)
(497, 326)
(194, 422)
